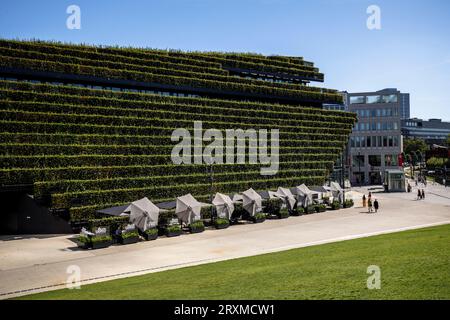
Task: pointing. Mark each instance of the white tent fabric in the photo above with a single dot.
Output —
(143, 214)
(287, 197)
(305, 195)
(224, 205)
(251, 201)
(237, 198)
(188, 208)
(338, 192)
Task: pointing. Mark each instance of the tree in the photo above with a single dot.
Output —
(414, 145)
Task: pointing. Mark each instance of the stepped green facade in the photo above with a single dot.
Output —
(84, 128)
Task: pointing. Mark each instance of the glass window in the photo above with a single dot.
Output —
(373, 99)
(385, 141)
(373, 112)
(378, 113)
(358, 161)
(395, 125)
(352, 142)
(379, 142)
(395, 141)
(368, 142)
(391, 141)
(356, 99)
(392, 98)
(384, 126)
(390, 160)
(375, 160)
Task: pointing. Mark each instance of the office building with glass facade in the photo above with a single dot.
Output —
(376, 141)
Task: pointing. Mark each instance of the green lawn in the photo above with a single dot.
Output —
(414, 265)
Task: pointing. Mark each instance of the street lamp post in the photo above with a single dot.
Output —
(359, 171)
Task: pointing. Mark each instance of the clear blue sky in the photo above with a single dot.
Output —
(410, 52)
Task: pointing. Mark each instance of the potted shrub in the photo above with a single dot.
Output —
(128, 237)
(320, 208)
(297, 211)
(150, 234)
(348, 203)
(196, 227)
(173, 230)
(310, 209)
(101, 241)
(335, 205)
(259, 217)
(83, 241)
(221, 223)
(283, 214)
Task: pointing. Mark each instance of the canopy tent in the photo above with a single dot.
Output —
(237, 198)
(188, 208)
(251, 201)
(287, 196)
(304, 195)
(224, 205)
(143, 214)
(338, 192)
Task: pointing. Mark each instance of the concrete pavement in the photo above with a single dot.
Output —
(35, 264)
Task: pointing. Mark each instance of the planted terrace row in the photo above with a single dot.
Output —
(61, 93)
(146, 125)
(49, 47)
(280, 64)
(33, 161)
(49, 187)
(105, 62)
(56, 108)
(53, 127)
(28, 175)
(102, 139)
(77, 56)
(26, 149)
(112, 73)
(94, 197)
(25, 97)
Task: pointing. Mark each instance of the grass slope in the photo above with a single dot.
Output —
(414, 265)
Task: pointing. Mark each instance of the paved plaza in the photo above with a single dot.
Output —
(30, 264)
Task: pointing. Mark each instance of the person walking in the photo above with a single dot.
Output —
(376, 205)
(364, 200)
(423, 194)
(369, 203)
(419, 194)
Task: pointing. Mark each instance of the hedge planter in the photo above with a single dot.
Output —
(284, 213)
(99, 244)
(83, 242)
(320, 208)
(150, 234)
(221, 223)
(297, 212)
(258, 218)
(348, 203)
(310, 210)
(335, 205)
(196, 227)
(128, 238)
(173, 231)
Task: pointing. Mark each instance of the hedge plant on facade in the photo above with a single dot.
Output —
(83, 149)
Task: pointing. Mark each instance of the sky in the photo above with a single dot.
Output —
(411, 50)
